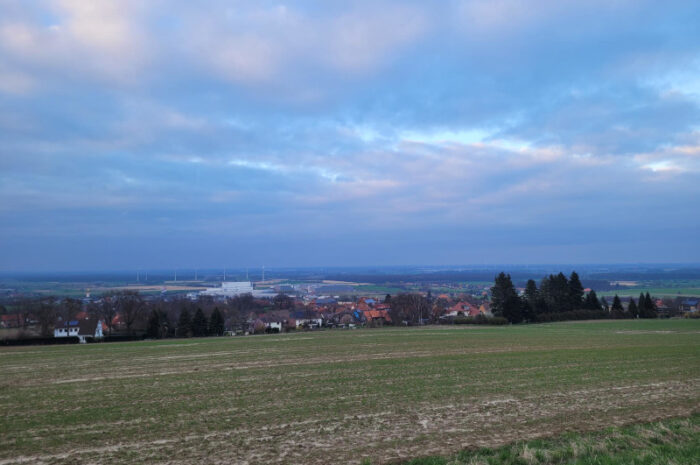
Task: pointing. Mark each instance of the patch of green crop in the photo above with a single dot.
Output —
(675, 441)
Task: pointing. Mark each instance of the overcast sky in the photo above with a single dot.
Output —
(152, 134)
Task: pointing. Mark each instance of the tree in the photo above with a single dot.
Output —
(283, 302)
(534, 299)
(632, 309)
(531, 293)
(440, 306)
(199, 324)
(504, 300)
(648, 308)
(556, 293)
(591, 302)
(527, 312)
(184, 324)
(642, 306)
(71, 308)
(604, 304)
(108, 310)
(166, 329)
(616, 309)
(131, 306)
(387, 299)
(46, 314)
(575, 291)
(652, 309)
(216, 323)
(153, 329)
(411, 308)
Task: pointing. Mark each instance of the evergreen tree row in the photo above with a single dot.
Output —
(645, 307)
(560, 298)
(159, 325)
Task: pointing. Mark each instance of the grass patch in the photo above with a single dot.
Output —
(675, 441)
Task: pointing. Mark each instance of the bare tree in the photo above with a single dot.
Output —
(46, 314)
(131, 307)
(70, 308)
(108, 310)
(411, 308)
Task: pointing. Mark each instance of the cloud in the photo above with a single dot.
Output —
(381, 123)
(15, 82)
(77, 39)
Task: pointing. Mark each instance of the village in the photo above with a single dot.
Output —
(124, 315)
(242, 308)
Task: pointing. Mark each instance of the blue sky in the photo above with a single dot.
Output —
(225, 133)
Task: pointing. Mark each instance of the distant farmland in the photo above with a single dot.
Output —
(341, 396)
(654, 291)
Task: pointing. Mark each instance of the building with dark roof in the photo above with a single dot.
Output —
(81, 329)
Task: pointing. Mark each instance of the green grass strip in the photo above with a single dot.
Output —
(675, 441)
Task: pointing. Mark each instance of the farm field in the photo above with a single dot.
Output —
(341, 396)
(657, 292)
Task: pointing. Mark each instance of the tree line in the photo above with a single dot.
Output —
(139, 315)
(560, 298)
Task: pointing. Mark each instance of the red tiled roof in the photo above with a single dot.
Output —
(11, 320)
(373, 314)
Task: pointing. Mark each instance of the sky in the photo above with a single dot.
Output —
(160, 134)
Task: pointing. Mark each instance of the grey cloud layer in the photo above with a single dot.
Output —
(234, 122)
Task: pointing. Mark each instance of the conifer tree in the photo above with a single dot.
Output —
(216, 323)
(504, 300)
(184, 324)
(153, 327)
(575, 291)
(199, 324)
(651, 306)
(531, 293)
(559, 300)
(616, 309)
(632, 309)
(592, 302)
(648, 310)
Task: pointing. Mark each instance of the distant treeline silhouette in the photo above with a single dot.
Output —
(559, 298)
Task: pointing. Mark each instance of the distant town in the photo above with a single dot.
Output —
(31, 313)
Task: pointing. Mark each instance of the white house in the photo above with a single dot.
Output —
(302, 319)
(79, 328)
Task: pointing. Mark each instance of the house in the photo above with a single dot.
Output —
(344, 316)
(11, 321)
(118, 323)
(81, 329)
(462, 309)
(485, 309)
(377, 316)
(662, 309)
(306, 319)
(689, 305)
(273, 324)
